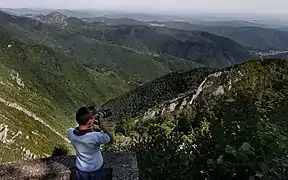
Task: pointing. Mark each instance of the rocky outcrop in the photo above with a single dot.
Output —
(217, 84)
(118, 166)
(3, 132)
(52, 18)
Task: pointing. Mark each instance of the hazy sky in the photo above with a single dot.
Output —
(239, 6)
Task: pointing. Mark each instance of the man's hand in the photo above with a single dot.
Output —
(105, 129)
(101, 122)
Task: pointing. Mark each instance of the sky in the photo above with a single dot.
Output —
(213, 6)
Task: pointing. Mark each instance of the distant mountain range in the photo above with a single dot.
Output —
(261, 37)
(253, 36)
(188, 46)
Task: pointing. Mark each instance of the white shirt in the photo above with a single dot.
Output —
(87, 147)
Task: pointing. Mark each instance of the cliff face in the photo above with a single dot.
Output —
(217, 84)
(117, 166)
(173, 92)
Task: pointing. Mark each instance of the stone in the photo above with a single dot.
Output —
(172, 107)
(219, 91)
(117, 166)
(3, 132)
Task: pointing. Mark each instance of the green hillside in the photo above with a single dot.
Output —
(50, 86)
(141, 99)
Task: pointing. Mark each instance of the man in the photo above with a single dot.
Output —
(86, 142)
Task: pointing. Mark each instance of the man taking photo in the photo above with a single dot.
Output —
(86, 142)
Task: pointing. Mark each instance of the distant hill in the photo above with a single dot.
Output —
(146, 17)
(248, 35)
(114, 21)
(255, 38)
(52, 18)
(285, 28)
(200, 47)
(232, 23)
(36, 12)
(140, 100)
(278, 56)
(24, 11)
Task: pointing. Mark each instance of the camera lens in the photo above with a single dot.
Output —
(104, 113)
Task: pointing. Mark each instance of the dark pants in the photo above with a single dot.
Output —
(96, 175)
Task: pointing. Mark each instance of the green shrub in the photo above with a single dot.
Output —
(60, 150)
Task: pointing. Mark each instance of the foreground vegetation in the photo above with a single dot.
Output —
(242, 134)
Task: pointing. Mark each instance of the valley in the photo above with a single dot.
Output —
(191, 97)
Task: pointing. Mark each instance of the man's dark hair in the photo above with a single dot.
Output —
(83, 115)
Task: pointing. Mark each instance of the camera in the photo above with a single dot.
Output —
(104, 113)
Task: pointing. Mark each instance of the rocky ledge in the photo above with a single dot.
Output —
(118, 166)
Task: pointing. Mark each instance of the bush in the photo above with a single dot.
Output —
(60, 150)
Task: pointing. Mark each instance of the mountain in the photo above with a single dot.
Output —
(176, 91)
(40, 92)
(217, 51)
(167, 49)
(197, 46)
(223, 123)
(92, 52)
(232, 23)
(145, 17)
(138, 101)
(38, 12)
(114, 21)
(52, 18)
(285, 28)
(278, 56)
(250, 36)
(24, 11)
(58, 18)
(255, 38)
